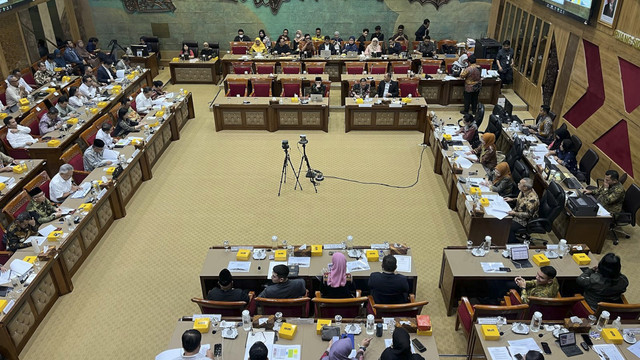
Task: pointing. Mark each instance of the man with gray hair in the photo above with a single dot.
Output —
(14, 91)
(104, 134)
(61, 186)
(526, 208)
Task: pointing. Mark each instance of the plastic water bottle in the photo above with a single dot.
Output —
(246, 321)
(274, 243)
(563, 248)
(371, 325)
(602, 320)
(487, 240)
(536, 322)
(617, 323)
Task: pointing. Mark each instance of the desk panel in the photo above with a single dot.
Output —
(384, 117)
(197, 72)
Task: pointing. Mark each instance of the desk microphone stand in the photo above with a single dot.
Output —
(310, 173)
(283, 175)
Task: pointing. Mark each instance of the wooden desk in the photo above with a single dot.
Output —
(218, 259)
(312, 346)
(384, 117)
(461, 274)
(193, 72)
(148, 62)
(448, 92)
(347, 79)
(34, 166)
(37, 100)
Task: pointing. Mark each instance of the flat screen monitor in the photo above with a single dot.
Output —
(139, 50)
(508, 108)
(576, 9)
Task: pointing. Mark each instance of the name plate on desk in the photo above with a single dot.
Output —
(365, 105)
(392, 105)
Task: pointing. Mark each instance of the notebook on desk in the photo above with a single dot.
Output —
(352, 54)
(567, 342)
(520, 256)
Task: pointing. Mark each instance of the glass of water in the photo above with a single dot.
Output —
(338, 320)
(226, 245)
(469, 245)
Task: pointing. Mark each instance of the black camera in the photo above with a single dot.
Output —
(303, 140)
(285, 144)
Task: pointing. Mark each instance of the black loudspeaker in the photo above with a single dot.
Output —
(486, 48)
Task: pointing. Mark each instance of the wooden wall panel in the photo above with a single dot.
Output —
(629, 21)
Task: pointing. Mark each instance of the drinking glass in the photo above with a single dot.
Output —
(592, 320)
(274, 242)
(469, 245)
(284, 244)
(226, 245)
(338, 320)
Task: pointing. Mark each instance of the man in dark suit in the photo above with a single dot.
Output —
(225, 291)
(388, 88)
(105, 74)
(610, 8)
(326, 45)
(361, 89)
(242, 37)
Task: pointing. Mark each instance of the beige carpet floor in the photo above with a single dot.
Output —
(211, 186)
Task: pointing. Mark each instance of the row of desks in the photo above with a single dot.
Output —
(65, 256)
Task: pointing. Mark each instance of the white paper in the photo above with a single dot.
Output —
(85, 187)
(358, 265)
(286, 352)
(389, 342)
(333, 246)
(110, 155)
(487, 320)
(4, 277)
(491, 266)
(464, 163)
(45, 231)
(272, 264)
(610, 350)
(267, 337)
(602, 211)
(240, 266)
(173, 354)
(9, 306)
(528, 343)
(216, 317)
(4, 179)
(635, 349)
(303, 262)
(476, 182)
(123, 142)
(499, 353)
(403, 263)
(40, 239)
(20, 267)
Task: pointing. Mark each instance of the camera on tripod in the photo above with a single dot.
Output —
(285, 144)
(303, 140)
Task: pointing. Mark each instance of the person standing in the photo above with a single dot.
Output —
(472, 76)
(423, 30)
(504, 60)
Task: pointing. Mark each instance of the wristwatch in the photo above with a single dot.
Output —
(364, 348)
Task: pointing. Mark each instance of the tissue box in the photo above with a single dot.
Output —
(3, 115)
(131, 76)
(136, 142)
(424, 322)
(424, 332)
(287, 331)
(154, 124)
(281, 255)
(116, 91)
(406, 100)
(110, 170)
(581, 259)
(484, 202)
(29, 259)
(316, 250)
(53, 143)
(24, 108)
(159, 113)
(117, 87)
(372, 255)
(66, 79)
(475, 190)
(72, 121)
(541, 260)
(243, 255)
(2, 186)
(57, 69)
(24, 101)
(94, 110)
(50, 90)
(3, 304)
(102, 104)
(294, 100)
(359, 101)
(446, 137)
(176, 59)
(85, 207)
(19, 169)
(490, 332)
(320, 324)
(55, 235)
(611, 336)
(202, 325)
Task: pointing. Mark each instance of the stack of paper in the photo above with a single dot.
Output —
(497, 208)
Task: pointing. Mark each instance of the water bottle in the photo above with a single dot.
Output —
(617, 323)
(563, 248)
(246, 321)
(274, 243)
(602, 320)
(487, 240)
(371, 325)
(536, 322)
(349, 242)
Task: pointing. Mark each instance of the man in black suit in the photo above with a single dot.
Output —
(326, 45)
(242, 37)
(388, 88)
(105, 74)
(610, 8)
(423, 30)
(225, 291)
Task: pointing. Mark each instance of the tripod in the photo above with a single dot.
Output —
(283, 176)
(310, 173)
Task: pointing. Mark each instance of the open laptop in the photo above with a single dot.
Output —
(520, 256)
(567, 342)
(325, 53)
(315, 97)
(352, 54)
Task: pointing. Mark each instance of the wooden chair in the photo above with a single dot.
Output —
(430, 66)
(103, 119)
(410, 309)
(291, 87)
(400, 67)
(409, 86)
(28, 77)
(557, 308)
(485, 63)
(449, 63)
(52, 99)
(327, 90)
(355, 67)
(114, 112)
(625, 310)
(265, 68)
(414, 45)
(291, 67)
(73, 156)
(40, 110)
(5, 255)
(315, 67)
(237, 87)
(288, 307)
(326, 308)
(445, 42)
(239, 47)
(14, 153)
(261, 87)
(32, 121)
(42, 181)
(378, 68)
(89, 135)
(403, 44)
(242, 67)
(224, 308)
(16, 206)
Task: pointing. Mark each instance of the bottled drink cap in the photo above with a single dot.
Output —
(605, 314)
(537, 314)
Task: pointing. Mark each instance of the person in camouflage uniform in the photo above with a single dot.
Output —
(611, 193)
(40, 208)
(545, 284)
(526, 208)
(23, 226)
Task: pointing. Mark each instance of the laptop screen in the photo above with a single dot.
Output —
(567, 339)
(508, 107)
(520, 253)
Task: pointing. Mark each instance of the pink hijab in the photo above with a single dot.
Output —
(338, 274)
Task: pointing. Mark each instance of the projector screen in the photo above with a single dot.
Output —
(576, 9)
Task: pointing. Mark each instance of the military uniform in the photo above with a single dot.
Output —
(532, 288)
(611, 198)
(15, 235)
(43, 212)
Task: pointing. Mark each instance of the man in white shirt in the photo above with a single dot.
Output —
(143, 100)
(14, 91)
(21, 82)
(51, 65)
(18, 135)
(191, 340)
(88, 89)
(104, 134)
(1, 106)
(61, 185)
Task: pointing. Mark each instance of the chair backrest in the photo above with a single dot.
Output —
(557, 308)
(14, 153)
(515, 153)
(40, 109)
(378, 68)
(577, 143)
(410, 309)
(288, 307)
(403, 44)
(469, 314)
(563, 126)
(625, 311)
(16, 206)
(355, 67)
(329, 308)
(241, 67)
(552, 203)
(445, 42)
(113, 113)
(485, 63)
(494, 127)
(261, 87)
(623, 178)
(291, 87)
(587, 163)
(28, 76)
(32, 122)
(237, 87)
(53, 98)
(479, 114)
(89, 135)
(292, 67)
(73, 156)
(408, 86)
(224, 308)
(519, 171)
(315, 67)
(265, 68)
(430, 66)
(239, 47)
(631, 202)
(400, 67)
(42, 181)
(103, 119)
(327, 85)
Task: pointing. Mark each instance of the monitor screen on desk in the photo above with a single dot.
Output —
(520, 253)
(139, 50)
(508, 108)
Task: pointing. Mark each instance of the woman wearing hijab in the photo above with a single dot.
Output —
(350, 45)
(336, 285)
(258, 47)
(264, 38)
(560, 135)
(341, 349)
(502, 181)
(297, 39)
(373, 48)
(486, 152)
(400, 348)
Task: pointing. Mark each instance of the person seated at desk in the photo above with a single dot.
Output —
(157, 89)
(341, 349)
(545, 285)
(374, 48)
(486, 152)
(282, 48)
(318, 87)
(566, 157)
(61, 185)
(206, 51)
(125, 124)
(125, 102)
(350, 45)
(6, 162)
(395, 48)
(361, 89)
(284, 35)
(75, 98)
(336, 39)
(282, 287)
(400, 35)
(264, 38)
(88, 57)
(326, 45)
(459, 65)
(50, 62)
(186, 52)
(318, 35)
(362, 39)
(400, 348)
(43, 76)
(603, 283)
(225, 290)
(296, 39)
(58, 59)
(144, 42)
(469, 130)
(388, 88)
(559, 135)
(64, 109)
(426, 47)
(527, 204)
(377, 34)
(20, 230)
(143, 100)
(92, 45)
(40, 208)
(71, 56)
(88, 71)
(191, 343)
(543, 128)
(388, 287)
(104, 134)
(336, 285)
(258, 47)
(241, 36)
(305, 47)
(21, 81)
(14, 91)
(50, 121)
(258, 351)
(124, 63)
(611, 193)
(88, 89)
(18, 135)
(502, 181)
(93, 156)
